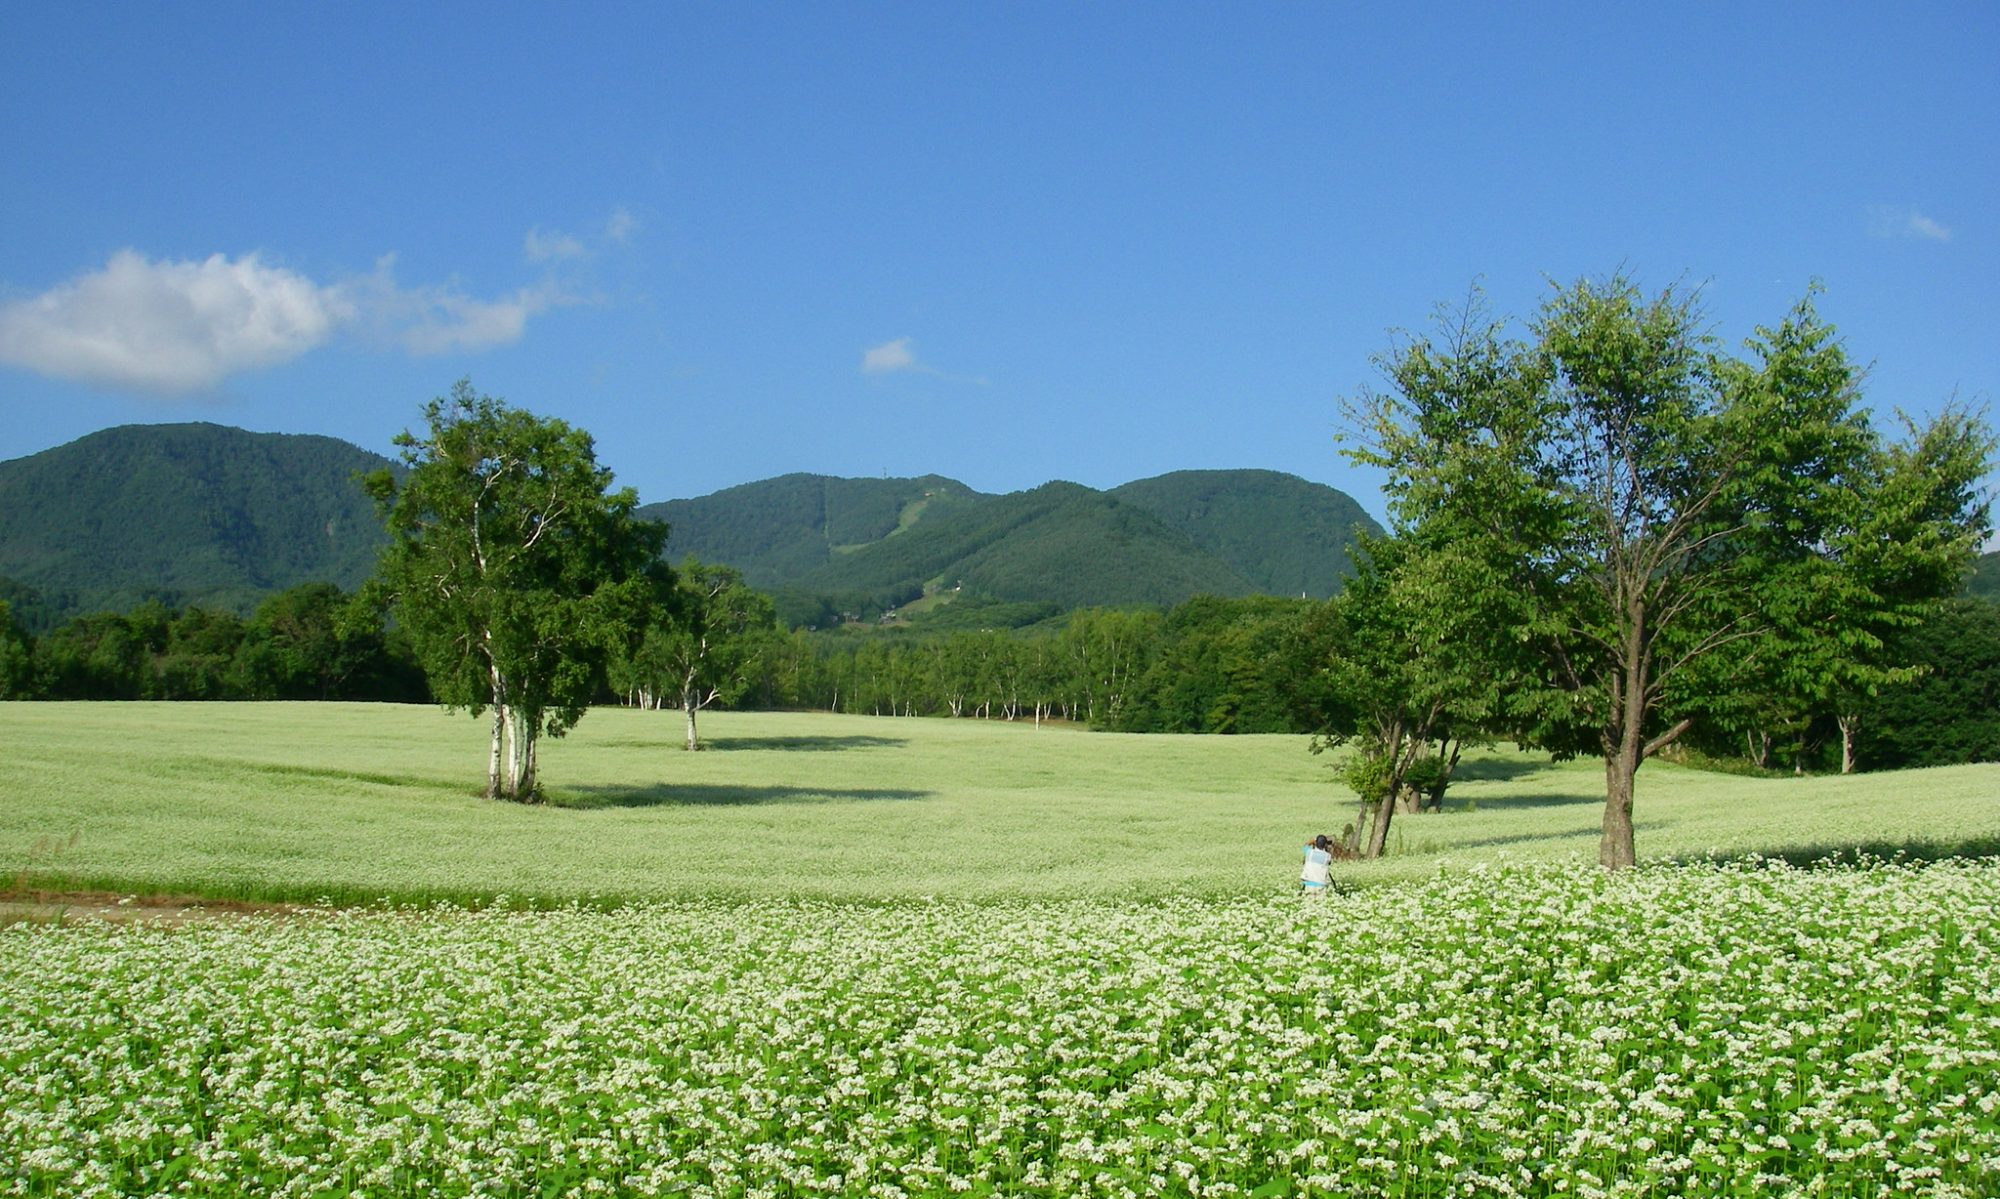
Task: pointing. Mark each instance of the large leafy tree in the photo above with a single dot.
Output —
(1646, 492)
(1850, 539)
(1901, 537)
(514, 569)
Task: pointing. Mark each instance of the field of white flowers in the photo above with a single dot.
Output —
(1740, 1030)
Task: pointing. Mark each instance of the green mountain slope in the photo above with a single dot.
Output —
(201, 513)
(1985, 579)
(1061, 543)
(1285, 535)
(1152, 541)
(777, 530)
(192, 513)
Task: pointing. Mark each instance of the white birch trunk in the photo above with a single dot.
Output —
(493, 755)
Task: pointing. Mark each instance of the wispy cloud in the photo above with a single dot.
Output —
(171, 327)
(538, 246)
(1892, 221)
(621, 225)
(438, 319)
(891, 356)
(900, 355)
(555, 245)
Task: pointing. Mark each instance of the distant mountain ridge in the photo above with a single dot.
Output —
(213, 515)
(776, 530)
(1155, 541)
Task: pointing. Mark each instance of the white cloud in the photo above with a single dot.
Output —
(170, 327)
(1923, 226)
(439, 319)
(901, 355)
(621, 225)
(1890, 221)
(538, 246)
(891, 356)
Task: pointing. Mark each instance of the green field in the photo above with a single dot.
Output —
(359, 802)
(898, 958)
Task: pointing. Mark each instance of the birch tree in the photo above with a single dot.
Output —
(706, 647)
(514, 569)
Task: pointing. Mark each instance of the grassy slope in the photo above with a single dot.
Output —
(358, 801)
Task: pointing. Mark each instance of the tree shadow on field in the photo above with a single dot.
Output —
(1494, 770)
(719, 795)
(1592, 834)
(675, 738)
(1922, 851)
(1508, 803)
(804, 744)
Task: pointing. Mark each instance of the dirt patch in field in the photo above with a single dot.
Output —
(56, 907)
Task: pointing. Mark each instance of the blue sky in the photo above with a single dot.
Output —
(1002, 242)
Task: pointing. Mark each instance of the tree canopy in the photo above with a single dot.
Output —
(704, 648)
(514, 569)
(1647, 500)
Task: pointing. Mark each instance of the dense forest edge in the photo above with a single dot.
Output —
(1212, 664)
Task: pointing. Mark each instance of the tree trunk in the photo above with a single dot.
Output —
(1624, 746)
(1378, 833)
(493, 755)
(1849, 726)
(690, 707)
(498, 683)
(1617, 850)
(516, 757)
(1435, 799)
(1357, 832)
(529, 788)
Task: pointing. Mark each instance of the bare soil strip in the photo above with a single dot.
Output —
(54, 907)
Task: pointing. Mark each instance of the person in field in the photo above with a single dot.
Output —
(1317, 874)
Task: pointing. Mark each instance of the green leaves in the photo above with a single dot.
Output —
(1667, 532)
(513, 566)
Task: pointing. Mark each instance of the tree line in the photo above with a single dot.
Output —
(1211, 665)
(311, 641)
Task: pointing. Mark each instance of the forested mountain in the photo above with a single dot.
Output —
(216, 516)
(1284, 535)
(1160, 540)
(1061, 542)
(777, 530)
(190, 513)
(1985, 580)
